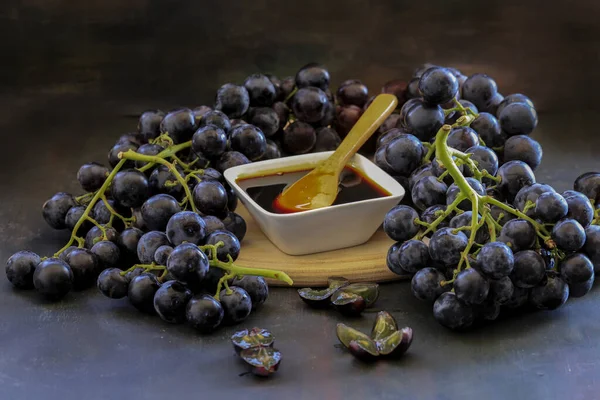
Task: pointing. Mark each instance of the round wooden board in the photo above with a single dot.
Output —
(364, 263)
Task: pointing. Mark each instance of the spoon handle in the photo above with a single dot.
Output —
(381, 107)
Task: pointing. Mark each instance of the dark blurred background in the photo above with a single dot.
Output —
(171, 53)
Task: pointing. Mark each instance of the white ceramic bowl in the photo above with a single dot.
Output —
(324, 229)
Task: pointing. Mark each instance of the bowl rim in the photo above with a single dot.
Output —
(394, 187)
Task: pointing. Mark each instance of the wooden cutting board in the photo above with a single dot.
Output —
(364, 263)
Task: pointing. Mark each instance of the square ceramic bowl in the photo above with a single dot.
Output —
(324, 229)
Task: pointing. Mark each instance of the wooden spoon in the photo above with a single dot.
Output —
(319, 188)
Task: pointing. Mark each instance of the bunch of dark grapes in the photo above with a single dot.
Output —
(520, 244)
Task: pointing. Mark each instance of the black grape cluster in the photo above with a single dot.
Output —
(476, 231)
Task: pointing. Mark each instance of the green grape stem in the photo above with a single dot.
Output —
(90, 206)
(168, 152)
(157, 159)
(432, 227)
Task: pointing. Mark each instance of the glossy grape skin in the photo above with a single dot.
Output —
(128, 241)
(580, 207)
(568, 234)
(107, 254)
(393, 259)
(232, 100)
(501, 290)
(210, 141)
(488, 128)
(485, 158)
(55, 209)
(283, 113)
(261, 90)
(230, 247)
(578, 271)
(287, 86)
(404, 154)
(471, 287)
(20, 268)
(462, 138)
(276, 82)
(406, 107)
(299, 138)
(346, 118)
(248, 140)
(519, 233)
(265, 119)
(102, 214)
(113, 154)
(385, 138)
(149, 124)
(179, 124)
(445, 246)
(188, 263)
(157, 182)
(518, 298)
(130, 188)
(399, 223)
(382, 163)
(412, 89)
(94, 235)
(204, 313)
(112, 284)
(148, 149)
(518, 119)
(506, 216)
(452, 313)
(479, 89)
(271, 152)
(215, 118)
(210, 198)
(91, 176)
(496, 260)
(421, 172)
(453, 192)
(438, 85)
(551, 207)
(231, 159)
(72, 218)
(53, 278)
(211, 224)
(514, 175)
(426, 284)
(255, 286)
(309, 104)
(553, 294)
(427, 192)
(523, 148)
(589, 185)
(141, 291)
(592, 245)
(513, 98)
(465, 219)
(237, 305)
(66, 252)
(429, 215)
(352, 92)
(327, 139)
(235, 224)
(158, 209)
(148, 244)
(161, 255)
(424, 120)
(413, 255)
(530, 194)
(529, 269)
(170, 301)
(85, 268)
(313, 74)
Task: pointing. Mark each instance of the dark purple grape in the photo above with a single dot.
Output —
(141, 291)
(20, 268)
(53, 278)
(399, 223)
(501, 216)
(112, 284)
(313, 74)
(237, 305)
(431, 214)
(95, 235)
(200, 111)
(170, 301)
(514, 175)
(91, 176)
(396, 87)
(158, 182)
(231, 245)
(148, 244)
(514, 98)
(188, 263)
(210, 141)
(501, 290)
(130, 188)
(212, 224)
(488, 128)
(255, 286)
(287, 86)
(157, 211)
(272, 151)
(438, 85)
(589, 185)
(453, 192)
(248, 140)
(452, 313)
(346, 118)
(492, 105)
(149, 124)
(72, 218)
(404, 154)
(484, 158)
(426, 284)
(210, 198)
(56, 208)
(147, 149)
(424, 120)
(232, 100)
(462, 138)
(179, 124)
(161, 255)
(84, 265)
(393, 259)
(309, 104)
(261, 90)
(204, 313)
(128, 241)
(107, 254)
(283, 113)
(529, 269)
(523, 148)
(568, 234)
(518, 119)
(265, 119)
(528, 195)
(580, 207)
(578, 271)
(465, 219)
(113, 154)
(427, 192)
(551, 295)
(413, 255)
(592, 245)
(235, 224)
(496, 260)
(421, 172)
(327, 139)
(353, 92)
(445, 246)
(519, 234)
(412, 89)
(299, 138)
(471, 287)
(479, 90)
(551, 207)
(231, 159)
